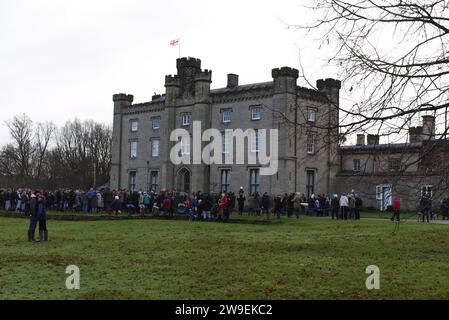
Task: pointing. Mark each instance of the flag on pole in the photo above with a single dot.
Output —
(174, 42)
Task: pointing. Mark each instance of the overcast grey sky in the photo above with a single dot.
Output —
(64, 59)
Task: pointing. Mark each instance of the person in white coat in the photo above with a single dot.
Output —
(344, 206)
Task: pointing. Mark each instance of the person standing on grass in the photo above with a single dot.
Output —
(265, 203)
(445, 207)
(297, 204)
(344, 205)
(351, 199)
(241, 201)
(396, 209)
(358, 206)
(33, 217)
(42, 218)
(425, 208)
(334, 206)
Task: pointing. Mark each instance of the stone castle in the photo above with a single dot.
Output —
(311, 159)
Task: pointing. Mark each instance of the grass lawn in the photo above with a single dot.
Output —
(309, 258)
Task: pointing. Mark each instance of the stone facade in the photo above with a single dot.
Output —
(308, 155)
(310, 158)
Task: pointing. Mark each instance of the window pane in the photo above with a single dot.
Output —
(134, 125)
(226, 143)
(255, 113)
(133, 149)
(310, 143)
(156, 123)
(226, 116)
(185, 145)
(155, 147)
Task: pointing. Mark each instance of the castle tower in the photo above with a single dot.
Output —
(121, 101)
(201, 112)
(188, 68)
(330, 88)
(285, 118)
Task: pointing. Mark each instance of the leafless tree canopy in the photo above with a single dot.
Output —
(393, 58)
(42, 155)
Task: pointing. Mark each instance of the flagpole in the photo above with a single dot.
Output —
(179, 49)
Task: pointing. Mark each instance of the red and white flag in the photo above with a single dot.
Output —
(174, 42)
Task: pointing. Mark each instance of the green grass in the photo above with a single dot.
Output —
(309, 258)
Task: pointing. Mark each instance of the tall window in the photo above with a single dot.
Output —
(186, 119)
(155, 147)
(134, 125)
(310, 187)
(227, 116)
(132, 180)
(225, 180)
(255, 141)
(154, 181)
(133, 153)
(311, 114)
(185, 145)
(356, 165)
(426, 190)
(394, 164)
(255, 113)
(254, 180)
(226, 143)
(310, 143)
(156, 123)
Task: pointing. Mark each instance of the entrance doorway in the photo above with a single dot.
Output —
(183, 180)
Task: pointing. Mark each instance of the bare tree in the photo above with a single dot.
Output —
(21, 130)
(44, 133)
(392, 57)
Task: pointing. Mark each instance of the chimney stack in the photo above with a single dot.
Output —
(360, 140)
(233, 80)
(428, 127)
(373, 139)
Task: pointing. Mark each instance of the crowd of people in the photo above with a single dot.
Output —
(197, 206)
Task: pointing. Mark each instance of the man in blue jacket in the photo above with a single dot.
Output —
(33, 217)
(42, 217)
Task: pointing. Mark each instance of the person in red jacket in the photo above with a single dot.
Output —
(396, 209)
(223, 203)
(166, 205)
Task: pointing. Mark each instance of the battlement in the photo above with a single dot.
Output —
(205, 75)
(328, 83)
(188, 62)
(123, 97)
(171, 81)
(284, 72)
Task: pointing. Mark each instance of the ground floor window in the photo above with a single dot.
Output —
(132, 180)
(426, 191)
(254, 180)
(154, 181)
(384, 194)
(225, 180)
(310, 178)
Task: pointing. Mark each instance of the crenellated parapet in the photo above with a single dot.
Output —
(328, 83)
(205, 75)
(172, 81)
(284, 72)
